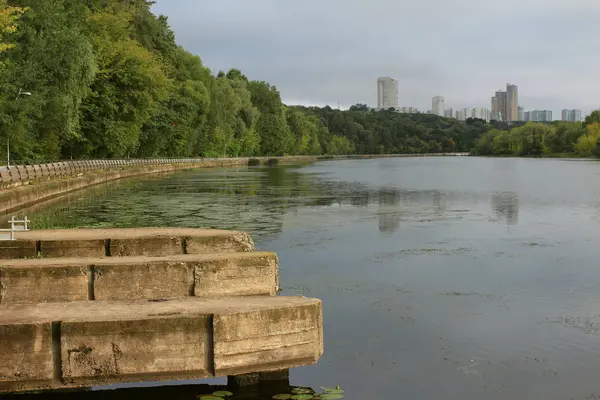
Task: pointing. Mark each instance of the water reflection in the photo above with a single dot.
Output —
(256, 200)
(388, 212)
(506, 206)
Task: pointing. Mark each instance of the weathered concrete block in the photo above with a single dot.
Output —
(146, 246)
(137, 242)
(91, 343)
(235, 242)
(31, 172)
(5, 175)
(25, 356)
(239, 274)
(126, 278)
(18, 173)
(72, 248)
(30, 284)
(142, 278)
(97, 351)
(45, 170)
(17, 249)
(268, 339)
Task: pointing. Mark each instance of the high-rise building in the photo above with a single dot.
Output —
(460, 115)
(408, 110)
(437, 106)
(521, 113)
(501, 105)
(481, 113)
(505, 104)
(512, 102)
(538, 116)
(387, 93)
(571, 115)
(449, 113)
(495, 109)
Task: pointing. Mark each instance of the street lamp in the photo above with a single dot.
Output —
(21, 93)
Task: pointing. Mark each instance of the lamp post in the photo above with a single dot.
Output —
(21, 93)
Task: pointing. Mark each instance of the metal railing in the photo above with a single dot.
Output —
(15, 226)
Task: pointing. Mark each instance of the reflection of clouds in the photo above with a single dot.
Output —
(506, 206)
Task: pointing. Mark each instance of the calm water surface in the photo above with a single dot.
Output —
(466, 278)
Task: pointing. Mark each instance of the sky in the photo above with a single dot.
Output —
(320, 52)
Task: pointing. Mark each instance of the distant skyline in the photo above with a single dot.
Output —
(319, 53)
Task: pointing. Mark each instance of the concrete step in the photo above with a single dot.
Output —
(30, 281)
(123, 242)
(80, 344)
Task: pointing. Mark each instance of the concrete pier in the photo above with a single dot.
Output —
(146, 305)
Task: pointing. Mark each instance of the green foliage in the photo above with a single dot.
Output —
(362, 131)
(593, 117)
(8, 23)
(535, 139)
(587, 144)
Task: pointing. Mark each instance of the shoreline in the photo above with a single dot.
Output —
(24, 186)
(549, 156)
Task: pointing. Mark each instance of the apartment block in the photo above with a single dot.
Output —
(538, 116)
(408, 110)
(387, 93)
(437, 106)
(571, 115)
(505, 104)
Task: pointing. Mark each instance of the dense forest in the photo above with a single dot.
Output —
(105, 79)
(538, 139)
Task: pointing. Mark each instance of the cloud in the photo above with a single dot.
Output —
(322, 52)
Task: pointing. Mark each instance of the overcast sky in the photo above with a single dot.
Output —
(324, 51)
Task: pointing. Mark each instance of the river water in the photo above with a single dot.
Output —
(441, 277)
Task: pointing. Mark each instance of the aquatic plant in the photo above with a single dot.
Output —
(300, 393)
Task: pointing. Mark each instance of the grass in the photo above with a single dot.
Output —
(51, 221)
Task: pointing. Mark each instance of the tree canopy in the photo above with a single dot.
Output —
(537, 139)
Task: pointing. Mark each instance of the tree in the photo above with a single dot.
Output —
(9, 16)
(275, 136)
(359, 107)
(128, 88)
(593, 117)
(530, 138)
(588, 142)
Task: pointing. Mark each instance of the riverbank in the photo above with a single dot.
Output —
(572, 156)
(23, 186)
